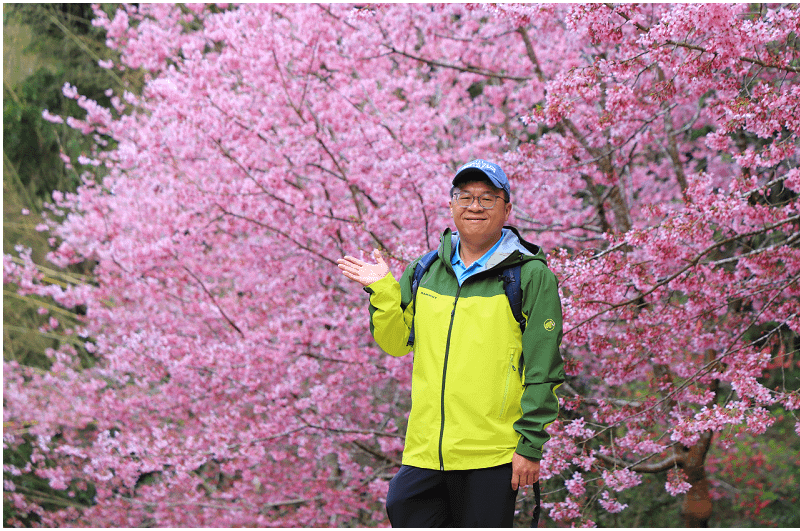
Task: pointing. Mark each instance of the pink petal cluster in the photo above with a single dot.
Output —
(676, 482)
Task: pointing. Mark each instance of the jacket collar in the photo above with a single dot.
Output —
(513, 248)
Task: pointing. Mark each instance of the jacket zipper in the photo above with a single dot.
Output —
(444, 377)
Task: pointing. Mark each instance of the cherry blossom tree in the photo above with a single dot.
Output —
(223, 373)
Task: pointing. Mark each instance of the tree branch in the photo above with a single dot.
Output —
(466, 69)
(376, 453)
(277, 231)
(648, 468)
(692, 263)
(681, 44)
(354, 431)
(214, 301)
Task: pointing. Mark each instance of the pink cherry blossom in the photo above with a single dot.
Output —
(610, 504)
(676, 482)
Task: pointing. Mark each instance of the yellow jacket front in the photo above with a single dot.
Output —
(481, 389)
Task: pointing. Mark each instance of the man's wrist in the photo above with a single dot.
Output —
(370, 288)
(533, 459)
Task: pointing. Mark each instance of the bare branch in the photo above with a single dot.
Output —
(214, 301)
(277, 231)
(467, 69)
(643, 467)
(376, 453)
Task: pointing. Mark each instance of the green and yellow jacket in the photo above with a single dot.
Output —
(481, 389)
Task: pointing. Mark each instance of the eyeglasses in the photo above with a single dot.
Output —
(486, 201)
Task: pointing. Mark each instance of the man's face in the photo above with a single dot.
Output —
(475, 224)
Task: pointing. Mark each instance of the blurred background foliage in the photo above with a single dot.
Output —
(44, 47)
(48, 45)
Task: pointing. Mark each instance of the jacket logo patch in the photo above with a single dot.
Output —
(549, 325)
(428, 294)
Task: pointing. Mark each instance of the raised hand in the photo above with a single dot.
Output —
(363, 272)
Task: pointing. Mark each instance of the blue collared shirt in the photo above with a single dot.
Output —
(462, 271)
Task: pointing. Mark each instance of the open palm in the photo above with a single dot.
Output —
(363, 272)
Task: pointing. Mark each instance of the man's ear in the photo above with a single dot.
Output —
(508, 211)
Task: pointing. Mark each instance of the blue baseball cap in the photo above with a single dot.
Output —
(492, 171)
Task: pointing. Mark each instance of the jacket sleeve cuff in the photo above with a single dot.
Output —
(525, 449)
(379, 284)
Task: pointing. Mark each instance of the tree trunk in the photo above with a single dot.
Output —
(697, 506)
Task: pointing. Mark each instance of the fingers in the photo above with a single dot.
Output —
(350, 275)
(524, 472)
(376, 253)
(518, 481)
(353, 264)
(350, 260)
(351, 271)
(363, 272)
(350, 266)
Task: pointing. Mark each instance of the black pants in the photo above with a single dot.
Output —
(420, 497)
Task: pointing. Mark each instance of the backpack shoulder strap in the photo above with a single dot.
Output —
(512, 285)
(419, 270)
(422, 266)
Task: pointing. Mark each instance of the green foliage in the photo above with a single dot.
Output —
(61, 41)
(753, 478)
(754, 484)
(65, 37)
(38, 490)
(649, 505)
(30, 143)
(47, 45)
(62, 34)
(756, 478)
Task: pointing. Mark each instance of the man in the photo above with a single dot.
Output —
(482, 391)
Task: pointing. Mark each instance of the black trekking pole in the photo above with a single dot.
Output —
(538, 507)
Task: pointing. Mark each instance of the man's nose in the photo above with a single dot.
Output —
(476, 205)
